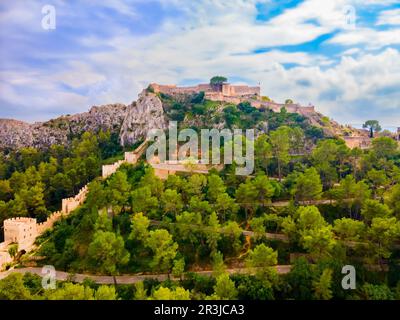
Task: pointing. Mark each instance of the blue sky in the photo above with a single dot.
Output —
(343, 56)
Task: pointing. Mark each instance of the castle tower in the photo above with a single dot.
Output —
(22, 231)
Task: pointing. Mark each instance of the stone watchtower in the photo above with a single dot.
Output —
(22, 231)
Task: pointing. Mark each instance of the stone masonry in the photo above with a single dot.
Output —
(233, 94)
(23, 231)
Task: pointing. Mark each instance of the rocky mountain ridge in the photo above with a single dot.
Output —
(130, 122)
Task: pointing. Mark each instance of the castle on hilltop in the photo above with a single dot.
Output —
(233, 94)
(212, 92)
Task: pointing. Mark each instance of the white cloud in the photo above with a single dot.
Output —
(370, 38)
(78, 75)
(391, 17)
(220, 37)
(349, 91)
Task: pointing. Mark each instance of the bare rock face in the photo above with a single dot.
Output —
(17, 134)
(145, 115)
(14, 134)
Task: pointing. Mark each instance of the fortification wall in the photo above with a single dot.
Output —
(110, 169)
(306, 110)
(49, 223)
(357, 142)
(246, 90)
(24, 231)
(129, 157)
(70, 204)
(4, 245)
(226, 90)
(4, 259)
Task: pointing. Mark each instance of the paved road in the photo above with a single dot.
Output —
(271, 236)
(126, 279)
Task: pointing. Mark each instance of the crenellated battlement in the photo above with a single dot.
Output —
(19, 220)
(211, 91)
(234, 94)
(23, 230)
(129, 157)
(20, 230)
(70, 204)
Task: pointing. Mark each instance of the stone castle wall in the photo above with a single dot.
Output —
(49, 223)
(226, 90)
(109, 169)
(234, 94)
(20, 230)
(130, 157)
(70, 204)
(23, 231)
(357, 142)
(291, 108)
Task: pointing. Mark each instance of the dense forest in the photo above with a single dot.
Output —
(311, 203)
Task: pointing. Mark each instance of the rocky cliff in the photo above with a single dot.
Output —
(16, 134)
(131, 123)
(146, 114)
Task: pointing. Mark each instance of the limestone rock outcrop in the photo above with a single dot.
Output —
(144, 115)
(17, 134)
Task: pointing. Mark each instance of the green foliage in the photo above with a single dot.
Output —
(179, 267)
(374, 209)
(164, 249)
(105, 293)
(300, 280)
(12, 288)
(218, 80)
(308, 186)
(280, 147)
(376, 292)
(253, 288)
(262, 256)
(13, 250)
(349, 229)
(225, 288)
(373, 126)
(134, 222)
(140, 226)
(163, 293)
(385, 147)
(107, 252)
(322, 286)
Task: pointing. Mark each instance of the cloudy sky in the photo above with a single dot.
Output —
(343, 56)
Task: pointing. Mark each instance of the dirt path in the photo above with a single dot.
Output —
(127, 279)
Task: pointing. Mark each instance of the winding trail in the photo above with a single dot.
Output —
(246, 233)
(128, 279)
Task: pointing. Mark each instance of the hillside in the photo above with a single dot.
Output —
(90, 206)
(131, 122)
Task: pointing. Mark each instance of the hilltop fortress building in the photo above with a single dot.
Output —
(233, 94)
